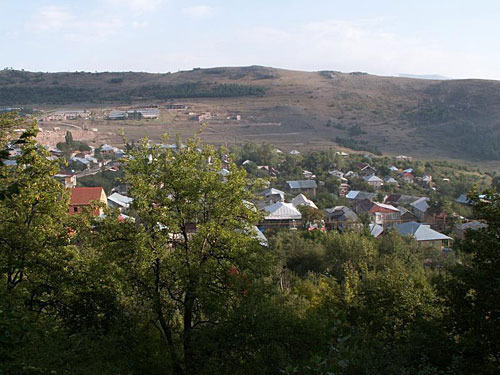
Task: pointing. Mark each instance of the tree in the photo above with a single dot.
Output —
(34, 240)
(69, 139)
(474, 290)
(190, 257)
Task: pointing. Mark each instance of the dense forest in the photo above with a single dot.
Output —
(59, 94)
(99, 295)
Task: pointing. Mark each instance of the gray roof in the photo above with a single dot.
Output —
(376, 230)
(282, 211)
(462, 199)
(421, 232)
(302, 184)
(120, 200)
(421, 204)
(372, 178)
(341, 213)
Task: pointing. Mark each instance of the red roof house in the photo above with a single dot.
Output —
(82, 197)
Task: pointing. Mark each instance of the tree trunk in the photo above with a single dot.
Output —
(165, 328)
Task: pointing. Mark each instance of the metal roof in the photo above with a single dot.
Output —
(302, 184)
(302, 200)
(282, 211)
(421, 232)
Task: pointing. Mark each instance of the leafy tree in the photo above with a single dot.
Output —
(474, 290)
(190, 258)
(69, 139)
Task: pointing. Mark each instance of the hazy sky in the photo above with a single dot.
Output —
(455, 38)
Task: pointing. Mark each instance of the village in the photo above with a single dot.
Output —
(347, 192)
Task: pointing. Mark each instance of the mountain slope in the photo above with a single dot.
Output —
(452, 118)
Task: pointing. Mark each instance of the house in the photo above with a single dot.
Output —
(341, 218)
(279, 215)
(272, 195)
(68, 180)
(81, 161)
(356, 195)
(374, 181)
(82, 197)
(366, 169)
(204, 117)
(107, 150)
(400, 199)
(338, 174)
(392, 168)
(259, 236)
(403, 158)
(420, 207)
(343, 189)
(122, 202)
(423, 234)
(408, 177)
(294, 152)
(388, 180)
(406, 215)
(302, 200)
(308, 175)
(462, 229)
(427, 180)
(303, 186)
(380, 213)
(376, 230)
(462, 199)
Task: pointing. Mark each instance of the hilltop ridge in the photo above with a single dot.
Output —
(438, 118)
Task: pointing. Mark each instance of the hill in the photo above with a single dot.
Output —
(424, 118)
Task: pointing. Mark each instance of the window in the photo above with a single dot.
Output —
(75, 209)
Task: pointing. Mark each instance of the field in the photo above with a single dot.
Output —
(303, 110)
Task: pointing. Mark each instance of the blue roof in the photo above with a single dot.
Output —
(352, 194)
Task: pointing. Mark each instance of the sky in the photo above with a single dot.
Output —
(452, 38)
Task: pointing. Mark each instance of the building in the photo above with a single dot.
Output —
(366, 169)
(176, 106)
(374, 181)
(122, 202)
(423, 234)
(279, 215)
(83, 197)
(272, 195)
(462, 229)
(391, 181)
(380, 213)
(376, 230)
(404, 158)
(68, 180)
(420, 207)
(341, 218)
(302, 200)
(356, 195)
(408, 177)
(117, 115)
(303, 186)
(343, 189)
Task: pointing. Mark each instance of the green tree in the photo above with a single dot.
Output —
(190, 257)
(474, 290)
(69, 139)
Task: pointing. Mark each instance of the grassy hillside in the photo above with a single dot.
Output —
(447, 119)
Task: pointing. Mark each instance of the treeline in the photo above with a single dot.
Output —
(60, 94)
(185, 288)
